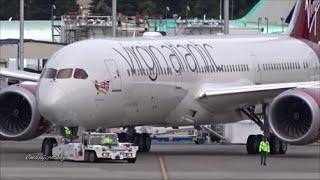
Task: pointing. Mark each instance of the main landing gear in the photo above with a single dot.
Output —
(277, 146)
(142, 140)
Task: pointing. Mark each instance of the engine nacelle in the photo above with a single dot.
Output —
(19, 115)
(295, 116)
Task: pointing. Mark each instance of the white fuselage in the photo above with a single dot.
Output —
(154, 81)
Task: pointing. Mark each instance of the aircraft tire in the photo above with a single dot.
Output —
(251, 144)
(258, 141)
(277, 146)
(274, 145)
(283, 147)
(123, 137)
(139, 142)
(47, 145)
(133, 160)
(92, 157)
(146, 142)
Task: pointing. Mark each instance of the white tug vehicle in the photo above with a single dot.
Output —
(92, 147)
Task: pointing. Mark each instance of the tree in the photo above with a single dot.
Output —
(41, 9)
(9, 9)
(97, 8)
(36, 9)
(147, 7)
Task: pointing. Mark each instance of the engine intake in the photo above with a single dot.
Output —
(19, 116)
(295, 116)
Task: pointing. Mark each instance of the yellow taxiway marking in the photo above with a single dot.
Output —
(163, 168)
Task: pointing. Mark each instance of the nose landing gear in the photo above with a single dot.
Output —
(142, 140)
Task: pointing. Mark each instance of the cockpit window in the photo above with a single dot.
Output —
(64, 73)
(80, 74)
(50, 73)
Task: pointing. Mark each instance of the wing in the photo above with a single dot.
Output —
(19, 75)
(215, 98)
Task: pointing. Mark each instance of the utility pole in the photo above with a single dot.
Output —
(226, 16)
(20, 62)
(53, 7)
(220, 11)
(114, 18)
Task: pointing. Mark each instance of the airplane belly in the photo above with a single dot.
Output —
(149, 104)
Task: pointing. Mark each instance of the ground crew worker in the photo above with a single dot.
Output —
(67, 132)
(107, 141)
(67, 135)
(264, 150)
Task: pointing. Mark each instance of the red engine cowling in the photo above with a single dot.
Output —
(19, 115)
(295, 116)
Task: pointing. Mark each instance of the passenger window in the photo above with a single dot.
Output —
(64, 73)
(50, 73)
(82, 74)
(242, 68)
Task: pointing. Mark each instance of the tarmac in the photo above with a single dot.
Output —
(165, 162)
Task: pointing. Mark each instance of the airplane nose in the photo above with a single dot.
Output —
(53, 104)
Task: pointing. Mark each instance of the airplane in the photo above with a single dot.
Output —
(177, 81)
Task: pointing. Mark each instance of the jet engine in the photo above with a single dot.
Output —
(295, 116)
(19, 115)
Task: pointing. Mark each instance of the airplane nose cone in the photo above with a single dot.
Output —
(53, 104)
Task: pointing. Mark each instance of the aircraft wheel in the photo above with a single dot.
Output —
(123, 137)
(277, 146)
(47, 145)
(258, 141)
(251, 144)
(139, 142)
(92, 157)
(146, 142)
(283, 147)
(132, 160)
(274, 145)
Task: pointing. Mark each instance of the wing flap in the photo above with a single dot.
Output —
(232, 97)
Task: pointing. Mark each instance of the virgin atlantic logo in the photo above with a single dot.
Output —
(312, 8)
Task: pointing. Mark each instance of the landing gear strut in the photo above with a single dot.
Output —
(277, 146)
(142, 140)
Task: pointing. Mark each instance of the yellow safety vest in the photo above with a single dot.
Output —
(106, 141)
(67, 131)
(264, 147)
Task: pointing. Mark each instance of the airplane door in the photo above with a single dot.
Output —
(114, 73)
(178, 80)
(257, 69)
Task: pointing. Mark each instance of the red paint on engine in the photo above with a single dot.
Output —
(43, 124)
(315, 94)
(30, 87)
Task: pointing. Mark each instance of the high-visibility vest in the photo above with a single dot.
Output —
(264, 147)
(67, 131)
(106, 141)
